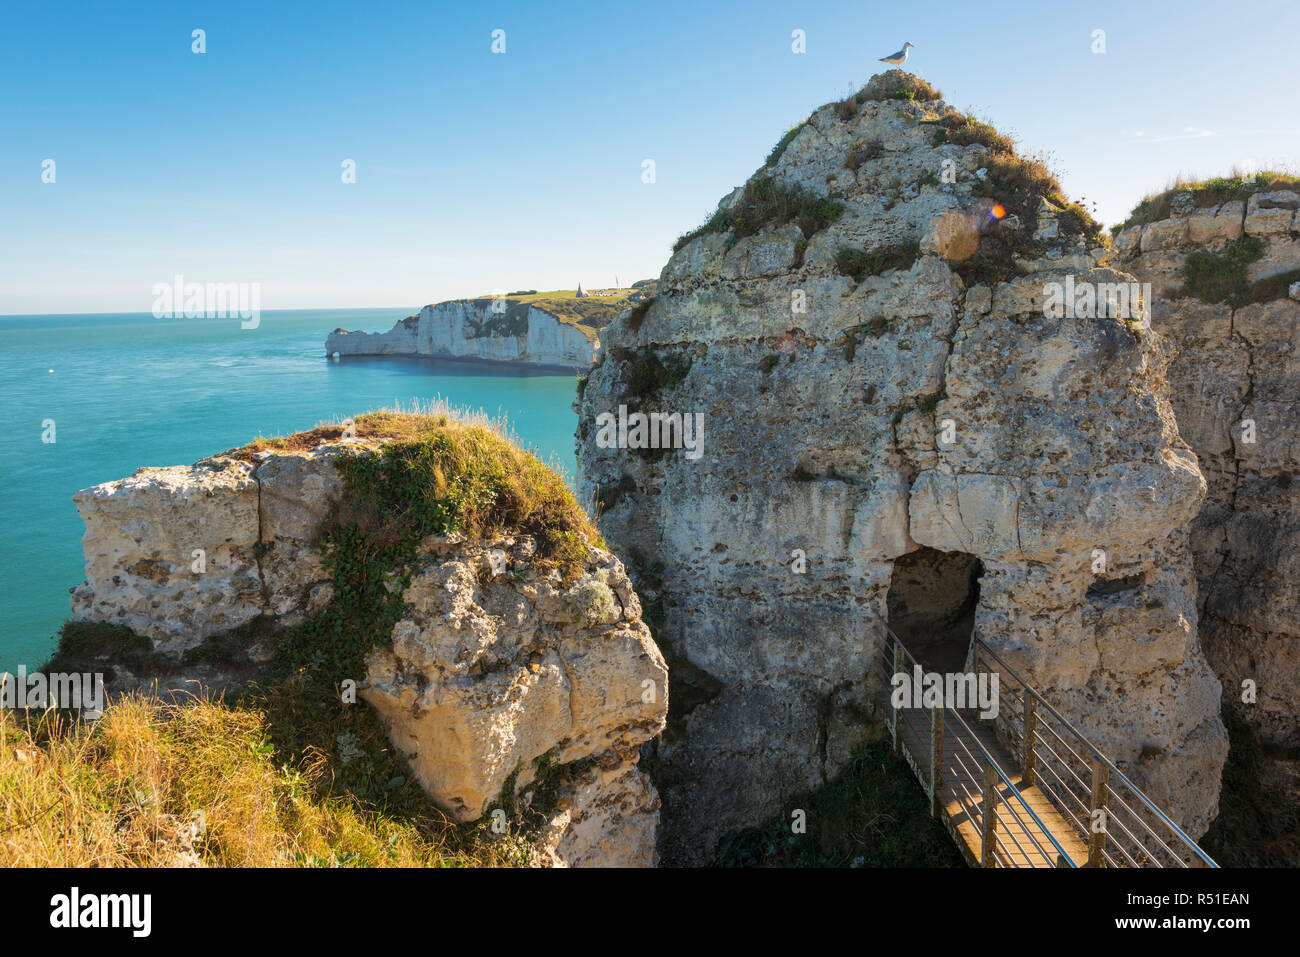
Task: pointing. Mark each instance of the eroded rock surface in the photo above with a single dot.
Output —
(498, 671)
(1235, 388)
(495, 666)
(182, 553)
(850, 423)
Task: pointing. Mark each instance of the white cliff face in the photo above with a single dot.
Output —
(496, 673)
(469, 329)
(847, 425)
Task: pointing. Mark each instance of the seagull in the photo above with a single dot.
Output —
(899, 58)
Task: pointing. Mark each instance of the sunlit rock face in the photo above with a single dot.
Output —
(497, 671)
(493, 668)
(1235, 387)
(848, 423)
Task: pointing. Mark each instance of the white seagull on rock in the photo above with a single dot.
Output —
(899, 58)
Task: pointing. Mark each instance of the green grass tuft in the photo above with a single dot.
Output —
(778, 150)
(638, 313)
(764, 204)
(1017, 183)
(897, 85)
(446, 477)
(1273, 287)
(1208, 193)
(1212, 277)
(965, 130)
(649, 374)
(860, 263)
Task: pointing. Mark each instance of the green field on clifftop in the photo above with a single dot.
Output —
(589, 313)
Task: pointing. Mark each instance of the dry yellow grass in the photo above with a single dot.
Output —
(155, 784)
(424, 418)
(287, 775)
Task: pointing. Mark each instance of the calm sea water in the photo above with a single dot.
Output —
(130, 390)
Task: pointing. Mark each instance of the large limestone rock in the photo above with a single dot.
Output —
(1235, 388)
(151, 537)
(495, 666)
(183, 553)
(497, 672)
(848, 424)
(470, 329)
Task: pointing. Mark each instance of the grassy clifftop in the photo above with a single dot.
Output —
(588, 313)
(1207, 193)
(286, 773)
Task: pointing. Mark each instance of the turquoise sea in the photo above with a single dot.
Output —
(126, 391)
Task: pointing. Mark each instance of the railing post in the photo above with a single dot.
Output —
(898, 667)
(1031, 734)
(988, 836)
(1097, 802)
(936, 760)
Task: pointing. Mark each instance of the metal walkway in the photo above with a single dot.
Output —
(1026, 789)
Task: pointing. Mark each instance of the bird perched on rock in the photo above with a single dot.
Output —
(899, 58)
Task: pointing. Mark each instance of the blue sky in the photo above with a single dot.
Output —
(478, 171)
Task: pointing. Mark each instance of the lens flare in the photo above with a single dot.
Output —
(998, 212)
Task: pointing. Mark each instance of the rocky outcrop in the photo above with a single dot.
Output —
(183, 553)
(876, 379)
(500, 678)
(494, 667)
(472, 329)
(1235, 388)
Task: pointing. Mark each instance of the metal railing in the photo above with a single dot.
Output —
(1118, 823)
(1121, 825)
(1011, 833)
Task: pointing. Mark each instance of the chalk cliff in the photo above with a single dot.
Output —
(1224, 263)
(865, 329)
(471, 329)
(504, 654)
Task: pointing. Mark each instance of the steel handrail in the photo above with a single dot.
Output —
(906, 659)
(1047, 726)
(1007, 781)
(1034, 842)
(1146, 827)
(981, 643)
(1063, 762)
(987, 756)
(983, 751)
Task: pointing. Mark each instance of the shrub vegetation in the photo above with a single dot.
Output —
(860, 263)
(1212, 277)
(764, 204)
(1209, 192)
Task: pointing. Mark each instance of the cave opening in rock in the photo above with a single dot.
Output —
(931, 605)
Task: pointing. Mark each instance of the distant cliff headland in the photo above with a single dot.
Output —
(558, 329)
